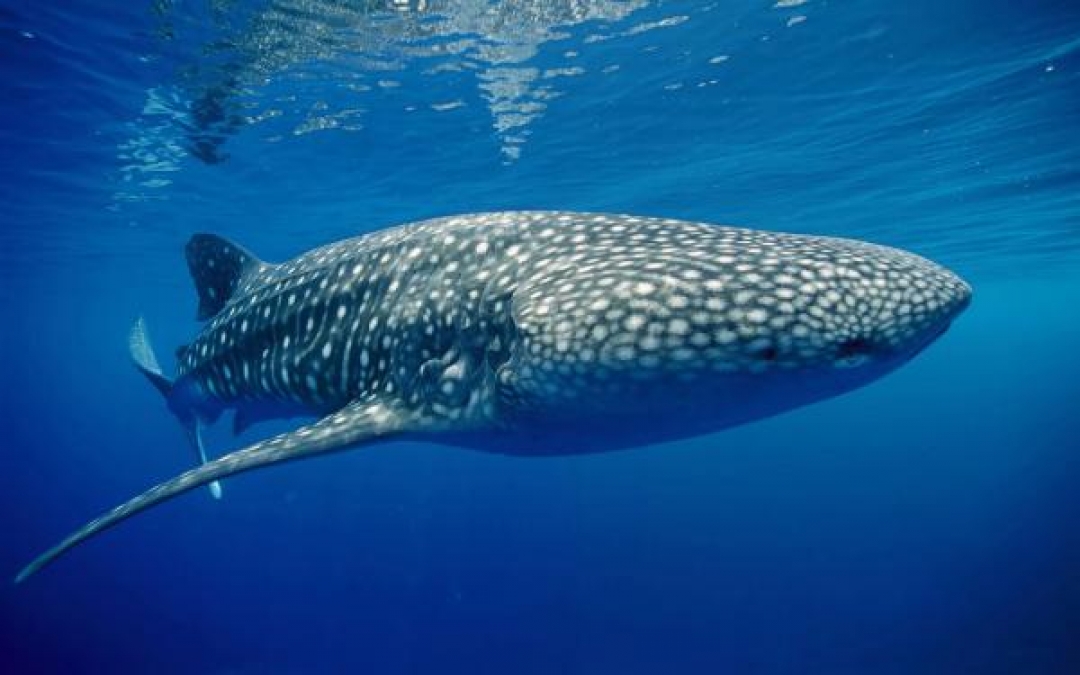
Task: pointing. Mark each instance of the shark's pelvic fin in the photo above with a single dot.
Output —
(240, 423)
(218, 267)
(361, 421)
(195, 435)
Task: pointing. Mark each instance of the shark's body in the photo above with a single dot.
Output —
(536, 333)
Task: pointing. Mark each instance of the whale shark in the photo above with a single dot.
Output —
(532, 334)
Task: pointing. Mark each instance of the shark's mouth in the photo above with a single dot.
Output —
(944, 328)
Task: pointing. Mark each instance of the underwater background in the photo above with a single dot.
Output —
(929, 523)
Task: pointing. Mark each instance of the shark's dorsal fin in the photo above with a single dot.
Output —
(361, 421)
(218, 267)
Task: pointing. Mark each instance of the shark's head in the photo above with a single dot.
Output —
(701, 330)
(840, 316)
(865, 307)
(743, 331)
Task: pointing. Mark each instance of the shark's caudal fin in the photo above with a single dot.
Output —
(359, 422)
(142, 353)
(143, 356)
(218, 267)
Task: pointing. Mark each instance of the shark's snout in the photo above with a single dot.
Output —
(960, 292)
(850, 305)
(913, 302)
(952, 295)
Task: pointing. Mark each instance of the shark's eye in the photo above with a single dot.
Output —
(767, 353)
(854, 347)
(853, 352)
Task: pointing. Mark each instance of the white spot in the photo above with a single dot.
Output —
(649, 342)
(743, 297)
(678, 301)
(757, 315)
(679, 326)
(725, 336)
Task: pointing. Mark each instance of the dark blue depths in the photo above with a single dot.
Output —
(924, 524)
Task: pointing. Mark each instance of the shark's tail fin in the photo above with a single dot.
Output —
(143, 356)
(145, 360)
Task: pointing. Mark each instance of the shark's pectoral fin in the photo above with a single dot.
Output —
(361, 421)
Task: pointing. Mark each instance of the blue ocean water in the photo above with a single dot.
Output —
(924, 524)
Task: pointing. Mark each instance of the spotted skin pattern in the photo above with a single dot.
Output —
(486, 319)
(539, 333)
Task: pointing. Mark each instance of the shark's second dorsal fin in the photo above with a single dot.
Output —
(218, 267)
(362, 421)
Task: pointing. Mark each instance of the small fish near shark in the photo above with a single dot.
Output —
(533, 334)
